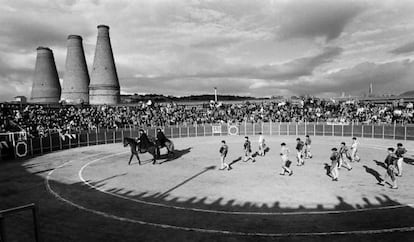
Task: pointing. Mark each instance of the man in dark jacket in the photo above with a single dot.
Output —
(161, 139)
(144, 142)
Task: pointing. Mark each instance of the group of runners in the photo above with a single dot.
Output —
(341, 158)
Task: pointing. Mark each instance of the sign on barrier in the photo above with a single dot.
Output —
(21, 149)
(233, 130)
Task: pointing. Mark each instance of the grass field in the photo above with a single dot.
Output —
(91, 194)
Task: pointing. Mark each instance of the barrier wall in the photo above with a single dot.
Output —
(54, 142)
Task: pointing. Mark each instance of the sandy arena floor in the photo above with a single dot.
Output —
(189, 193)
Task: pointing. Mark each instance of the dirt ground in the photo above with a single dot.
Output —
(92, 194)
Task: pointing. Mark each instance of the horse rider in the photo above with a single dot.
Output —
(161, 139)
(143, 142)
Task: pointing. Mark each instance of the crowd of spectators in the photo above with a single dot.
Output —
(39, 120)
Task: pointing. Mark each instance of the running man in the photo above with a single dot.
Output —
(334, 164)
(284, 154)
(400, 156)
(392, 170)
(354, 150)
(262, 145)
(223, 153)
(344, 157)
(299, 152)
(247, 150)
(308, 143)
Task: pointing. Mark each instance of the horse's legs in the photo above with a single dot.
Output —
(130, 159)
(139, 161)
(153, 151)
(158, 152)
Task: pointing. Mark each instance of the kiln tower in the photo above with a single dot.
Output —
(46, 85)
(75, 88)
(104, 86)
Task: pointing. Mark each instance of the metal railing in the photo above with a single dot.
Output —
(54, 142)
(3, 213)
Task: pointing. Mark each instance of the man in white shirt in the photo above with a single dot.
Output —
(354, 150)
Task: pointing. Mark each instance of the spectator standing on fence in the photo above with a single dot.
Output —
(223, 153)
(247, 150)
(400, 156)
(344, 157)
(284, 155)
(354, 150)
(392, 170)
(299, 152)
(334, 164)
(308, 143)
(262, 145)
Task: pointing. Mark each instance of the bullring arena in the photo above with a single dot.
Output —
(91, 193)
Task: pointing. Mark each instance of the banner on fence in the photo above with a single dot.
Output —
(337, 123)
(216, 129)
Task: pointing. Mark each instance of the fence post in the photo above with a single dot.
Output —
(333, 130)
(196, 130)
(383, 132)
(245, 127)
(122, 136)
(296, 129)
(362, 128)
(41, 145)
(306, 129)
(50, 142)
(342, 130)
(96, 138)
(254, 125)
(179, 132)
(262, 128)
(323, 129)
(394, 130)
(188, 131)
(31, 147)
(372, 131)
(204, 127)
(314, 129)
(287, 128)
(87, 138)
(279, 128)
(113, 136)
(70, 140)
(60, 142)
(130, 131)
(405, 132)
(78, 135)
(106, 140)
(270, 125)
(352, 129)
(172, 131)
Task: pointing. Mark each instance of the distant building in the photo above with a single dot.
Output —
(20, 99)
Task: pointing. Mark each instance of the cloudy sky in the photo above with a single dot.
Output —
(244, 47)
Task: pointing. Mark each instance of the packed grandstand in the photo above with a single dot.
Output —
(40, 120)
